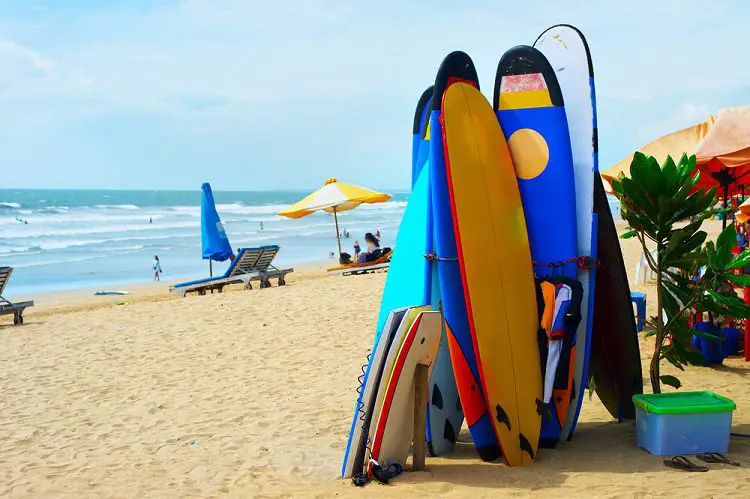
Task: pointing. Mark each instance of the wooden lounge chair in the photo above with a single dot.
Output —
(251, 264)
(363, 268)
(8, 307)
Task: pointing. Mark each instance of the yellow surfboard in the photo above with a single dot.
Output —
(495, 260)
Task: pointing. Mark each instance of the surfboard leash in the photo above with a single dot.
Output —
(434, 258)
(583, 263)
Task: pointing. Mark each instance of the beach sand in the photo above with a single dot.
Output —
(251, 393)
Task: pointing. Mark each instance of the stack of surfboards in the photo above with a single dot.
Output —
(506, 218)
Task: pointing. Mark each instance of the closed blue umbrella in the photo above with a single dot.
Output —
(214, 241)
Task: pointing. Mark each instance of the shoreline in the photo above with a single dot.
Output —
(75, 300)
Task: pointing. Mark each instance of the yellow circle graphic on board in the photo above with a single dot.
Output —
(530, 153)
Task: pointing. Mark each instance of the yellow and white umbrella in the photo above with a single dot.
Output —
(334, 197)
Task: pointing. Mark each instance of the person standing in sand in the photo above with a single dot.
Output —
(157, 269)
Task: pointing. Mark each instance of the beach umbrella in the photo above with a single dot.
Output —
(214, 242)
(720, 143)
(334, 197)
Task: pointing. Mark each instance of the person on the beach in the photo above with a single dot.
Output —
(373, 249)
(157, 268)
(357, 251)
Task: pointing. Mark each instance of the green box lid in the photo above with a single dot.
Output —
(683, 402)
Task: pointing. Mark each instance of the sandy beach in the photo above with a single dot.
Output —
(250, 394)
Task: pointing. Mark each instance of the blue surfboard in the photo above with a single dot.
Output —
(457, 66)
(420, 148)
(529, 105)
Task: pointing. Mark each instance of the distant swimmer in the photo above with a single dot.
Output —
(150, 220)
(261, 225)
(21, 220)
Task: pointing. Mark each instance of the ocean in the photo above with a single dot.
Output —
(75, 239)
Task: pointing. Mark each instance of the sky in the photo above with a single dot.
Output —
(257, 95)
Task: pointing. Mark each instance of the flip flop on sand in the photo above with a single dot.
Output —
(715, 457)
(683, 463)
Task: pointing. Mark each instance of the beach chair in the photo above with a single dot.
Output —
(642, 269)
(8, 307)
(381, 263)
(251, 264)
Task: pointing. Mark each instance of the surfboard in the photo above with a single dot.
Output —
(457, 66)
(495, 263)
(394, 429)
(566, 49)
(529, 105)
(615, 361)
(420, 146)
(444, 413)
(107, 293)
(367, 392)
(407, 284)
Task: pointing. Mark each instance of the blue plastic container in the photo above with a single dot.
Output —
(731, 340)
(712, 350)
(669, 424)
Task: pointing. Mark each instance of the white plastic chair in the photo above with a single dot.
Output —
(642, 269)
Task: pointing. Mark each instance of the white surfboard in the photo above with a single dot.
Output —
(366, 399)
(393, 433)
(567, 51)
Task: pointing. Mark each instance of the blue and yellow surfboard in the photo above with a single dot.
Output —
(529, 106)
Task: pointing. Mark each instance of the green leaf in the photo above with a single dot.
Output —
(741, 280)
(669, 173)
(629, 234)
(739, 261)
(672, 359)
(730, 304)
(694, 357)
(724, 244)
(670, 380)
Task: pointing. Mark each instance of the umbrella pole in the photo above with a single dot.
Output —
(210, 267)
(338, 236)
(726, 215)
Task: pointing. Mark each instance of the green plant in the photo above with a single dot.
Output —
(661, 204)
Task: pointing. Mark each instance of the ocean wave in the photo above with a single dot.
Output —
(59, 261)
(118, 206)
(38, 217)
(9, 206)
(31, 232)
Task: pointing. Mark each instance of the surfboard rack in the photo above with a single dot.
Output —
(419, 442)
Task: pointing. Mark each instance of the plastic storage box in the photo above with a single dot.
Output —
(683, 423)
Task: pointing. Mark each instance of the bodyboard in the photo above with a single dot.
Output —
(393, 433)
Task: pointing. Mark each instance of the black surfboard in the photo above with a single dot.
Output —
(615, 359)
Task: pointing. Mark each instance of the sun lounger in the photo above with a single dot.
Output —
(363, 268)
(8, 307)
(251, 264)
